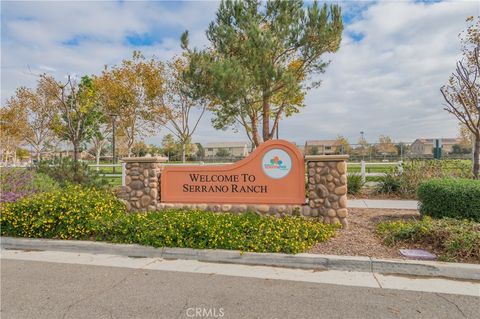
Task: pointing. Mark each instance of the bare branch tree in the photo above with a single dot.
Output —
(462, 92)
(178, 105)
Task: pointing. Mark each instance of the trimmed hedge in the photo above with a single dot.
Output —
(90, 214)
(455, 198)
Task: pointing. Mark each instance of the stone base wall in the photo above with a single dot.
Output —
(261, 209)
(327, 188)
(142, 189)
(326, 191)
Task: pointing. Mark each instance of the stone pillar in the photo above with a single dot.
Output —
(327, 187)
(142, 183)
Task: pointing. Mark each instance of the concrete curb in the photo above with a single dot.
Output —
(303, 261)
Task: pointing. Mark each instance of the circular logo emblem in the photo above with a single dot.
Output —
(276, 163)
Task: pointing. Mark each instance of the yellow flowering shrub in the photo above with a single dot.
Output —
(74, 212)
(84, 213)
(208, 230)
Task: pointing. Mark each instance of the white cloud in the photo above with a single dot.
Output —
(387, 83)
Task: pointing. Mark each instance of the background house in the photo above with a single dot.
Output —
(424, 146)
(234, 149)
(322, 147)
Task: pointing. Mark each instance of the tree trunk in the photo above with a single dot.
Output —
(266, 118)
(75, 155)
(184, 146)
(255, 137)
(129, 150)
(97, 158)
(476, 156)
(75, 152)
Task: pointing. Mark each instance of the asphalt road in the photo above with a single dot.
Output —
(33, 289)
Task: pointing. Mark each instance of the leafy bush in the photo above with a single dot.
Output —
(199, 229)
(16, 183)
(66, 172)
(79, 213)
(457, 198)
(44, 183)
(354, 183)
(74, 212)
(390, 183)
(414, 172)
(451, 239)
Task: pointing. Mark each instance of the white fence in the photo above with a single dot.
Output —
(363, 168)
(122, 166)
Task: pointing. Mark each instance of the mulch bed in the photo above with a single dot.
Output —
(360, 239)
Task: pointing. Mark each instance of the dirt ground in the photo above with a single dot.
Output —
(360, 239)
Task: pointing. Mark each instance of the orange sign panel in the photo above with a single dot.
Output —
(272, 174)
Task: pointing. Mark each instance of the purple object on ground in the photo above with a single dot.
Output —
(417, 254)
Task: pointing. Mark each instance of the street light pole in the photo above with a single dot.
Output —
(362, 139)
(114, 161)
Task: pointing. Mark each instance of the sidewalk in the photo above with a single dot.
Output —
(383, 204)
(316, 262)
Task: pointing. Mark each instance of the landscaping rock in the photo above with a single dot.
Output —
(145, 200)
(342, 212)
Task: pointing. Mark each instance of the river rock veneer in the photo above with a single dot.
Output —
(326, 199)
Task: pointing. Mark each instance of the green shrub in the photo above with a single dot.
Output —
(414, 172)
(65, 172)
(74, 213)
(79, 213)
(452, 239)
(354, 183)
(456, 198)
(390, 183)
(44, 183)
(199, 229)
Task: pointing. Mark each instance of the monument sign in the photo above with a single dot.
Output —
(274, 173)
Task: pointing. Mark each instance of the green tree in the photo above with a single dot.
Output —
(155, 150)
(78, 111)
(458, 149)
(261, 58)
(343, 145)
(200, 151)
(34, 111)
(170, 146)
(11, 135)
(223, 152)
(133, 91)
(140, 149)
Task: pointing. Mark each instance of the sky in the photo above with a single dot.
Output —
(385, 78)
